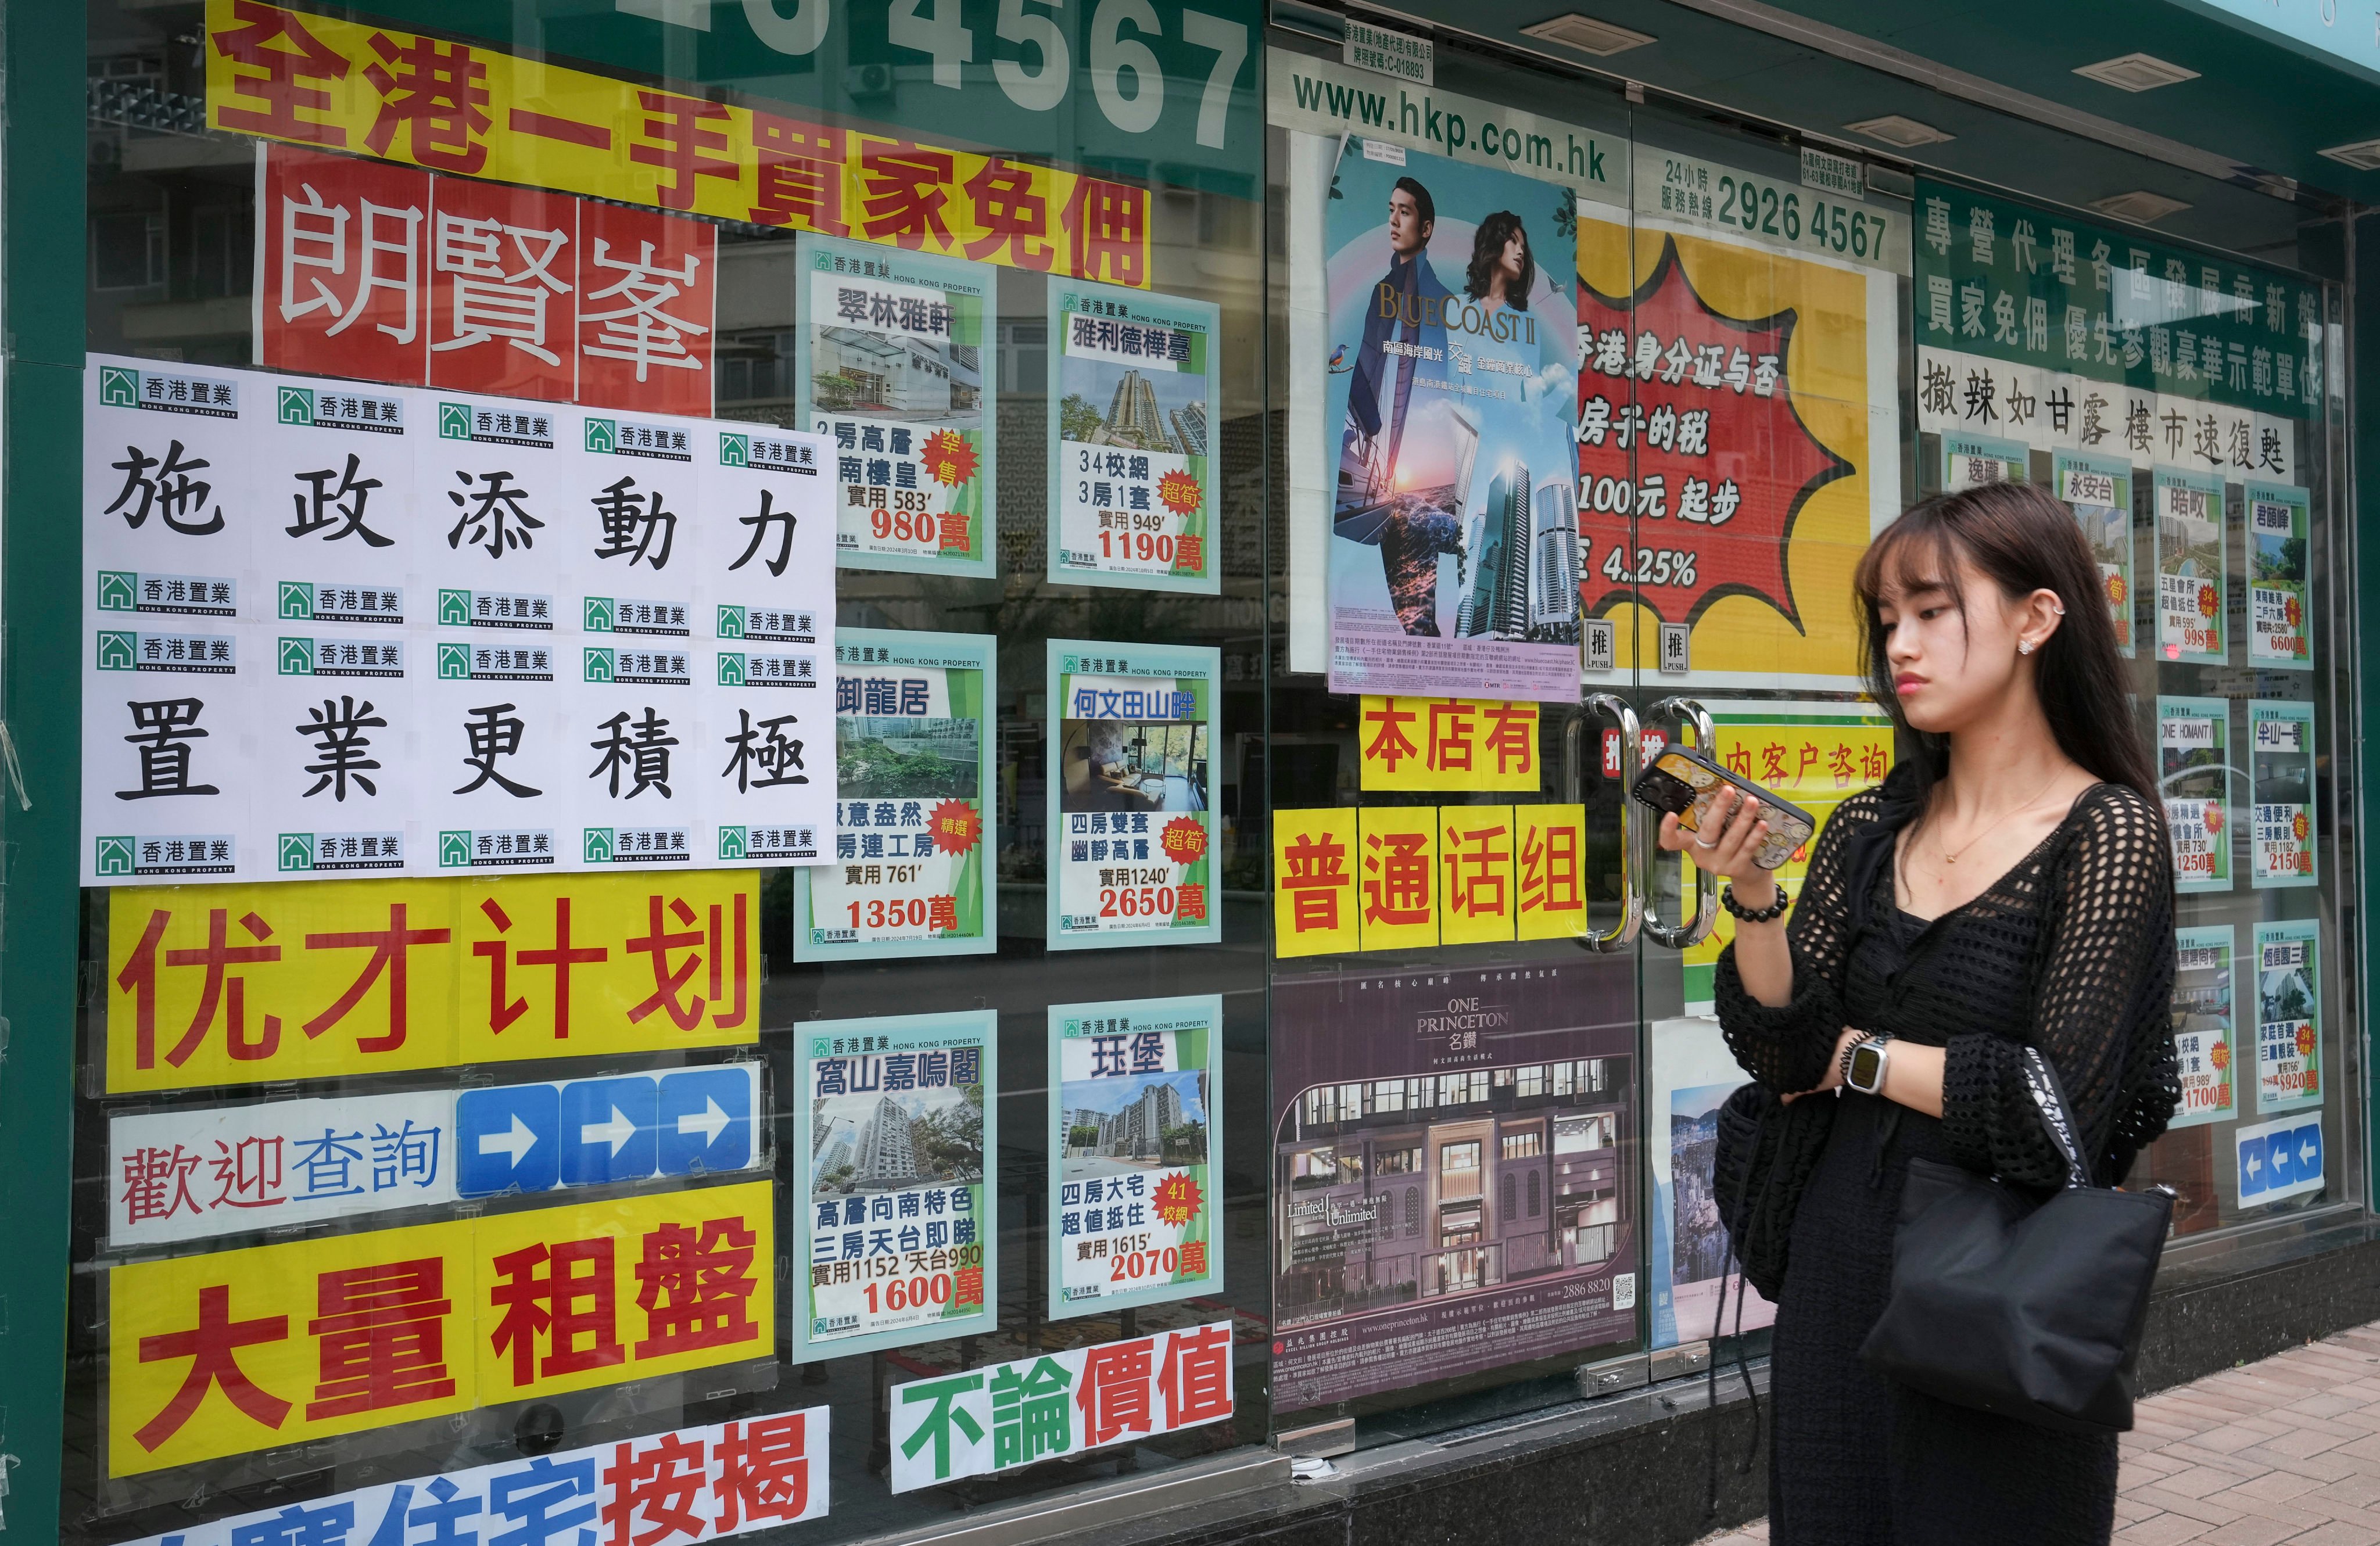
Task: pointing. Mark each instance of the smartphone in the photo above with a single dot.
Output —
(1683, 780)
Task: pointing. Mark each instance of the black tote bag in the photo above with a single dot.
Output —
(2033, 1310)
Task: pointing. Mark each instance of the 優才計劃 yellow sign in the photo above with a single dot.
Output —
(241, 984)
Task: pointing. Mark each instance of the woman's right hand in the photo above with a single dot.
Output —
(1734, 817)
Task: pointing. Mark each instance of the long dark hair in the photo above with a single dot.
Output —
(1488, 253)
(2023, 541)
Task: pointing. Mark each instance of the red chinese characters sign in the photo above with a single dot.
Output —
(381, 273)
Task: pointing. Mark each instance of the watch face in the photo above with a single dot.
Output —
(1867, 1066)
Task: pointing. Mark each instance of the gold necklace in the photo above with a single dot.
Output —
(1950, 858)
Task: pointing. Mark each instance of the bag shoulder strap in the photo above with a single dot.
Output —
(2041, 1082)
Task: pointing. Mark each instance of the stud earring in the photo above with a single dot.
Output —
(2024, 646)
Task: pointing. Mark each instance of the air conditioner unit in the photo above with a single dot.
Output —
(2136, 72)
(2140, 206)
(1602, 39)
(1894, 129)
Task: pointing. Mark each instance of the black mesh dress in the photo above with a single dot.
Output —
(2073, 951)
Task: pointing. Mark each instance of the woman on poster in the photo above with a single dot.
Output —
(2007, 884)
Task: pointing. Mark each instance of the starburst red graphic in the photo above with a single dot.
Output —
(2115, 589)
(948, 459)
(1184, 840)
(2207, 601)
(1176, 1200)
(2305, 1041)
(957, 826)
(2220, 1055)
(1693, 463)
(2214, 818)
(1179, 492)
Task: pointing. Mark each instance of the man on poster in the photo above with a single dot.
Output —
(1409, 303)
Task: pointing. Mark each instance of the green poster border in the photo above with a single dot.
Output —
(984, 1026)
(1207, 1225)
(1204, 665)
(2226, 937)
(2278, 710)
(2211, 484)
(1205, 319)
(2219, 710)
(2302, 505)
(2121, 471)
(2307, 931)
(986, 942)
(931, 271)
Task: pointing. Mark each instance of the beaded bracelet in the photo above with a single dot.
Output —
(1774, 910)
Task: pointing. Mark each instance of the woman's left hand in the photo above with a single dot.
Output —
(1834, 1080)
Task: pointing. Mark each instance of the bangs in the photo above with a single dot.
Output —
(1916, 553)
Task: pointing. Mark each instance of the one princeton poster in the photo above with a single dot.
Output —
(2288, 1015)
(1450, 397)
(913, 871)
(2279, 577)
(2205, 1049)
(1135, 1152)
(2284, 839)
(888, 369)
(2192, 562)
(2098, 489)
(895, 1142)
(2194, 777)
(1135, 382)
(1130, 801)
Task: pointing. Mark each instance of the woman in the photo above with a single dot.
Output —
(2009, 884)
(1502, 271)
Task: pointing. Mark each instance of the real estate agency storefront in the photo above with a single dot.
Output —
(532, 1065)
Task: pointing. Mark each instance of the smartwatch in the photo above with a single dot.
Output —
(1864, 1064)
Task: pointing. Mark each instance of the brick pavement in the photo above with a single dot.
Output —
(2284, 1450)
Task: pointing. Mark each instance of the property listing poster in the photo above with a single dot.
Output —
(2194, 772)
(725, 1480)
(1135, 1152)
(2193, 564)
(2283, 838)
(895, 1143)
(401, 631)
(1816, 754)
(2279, 577)
(1738, 420)
(1131, 795)
(1694, 1074)
(889, 367)
(1970, 461)
(1452, 388)
(1452, 1182)
(2203, 1017)
(1134, 385)
(913, 871)
(2288, 1015)
(2098, 489)
(664, 1284)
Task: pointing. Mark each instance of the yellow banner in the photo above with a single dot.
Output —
(1475, 851)
(1393, 878)
(1818, 767)
(210, 1356)
(1448, 744)
(1550, 871)
(1314, 902)
(1397, 875)
(473, 112)
(242, 985)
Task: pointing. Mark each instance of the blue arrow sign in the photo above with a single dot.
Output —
(706, 1120)
(507, 1136)
(608, 1130)
(2281, 1159)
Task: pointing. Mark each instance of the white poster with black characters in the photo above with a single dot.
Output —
(333, 626)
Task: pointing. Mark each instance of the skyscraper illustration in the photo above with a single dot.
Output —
(886, 1153)
(1554, 557)
(1497, 603)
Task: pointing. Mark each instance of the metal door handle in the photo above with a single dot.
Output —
(1684, 711)
(1632, 900)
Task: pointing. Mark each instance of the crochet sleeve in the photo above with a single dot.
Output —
(1787, 1047)
(2108, 942)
